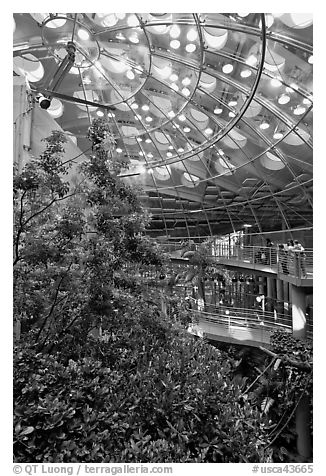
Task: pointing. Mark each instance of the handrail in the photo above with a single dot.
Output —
(241, 320)
(283, 261)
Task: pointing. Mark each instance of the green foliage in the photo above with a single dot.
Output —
(144, 392)
(70, 238)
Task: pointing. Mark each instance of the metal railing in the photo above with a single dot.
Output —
(292, 262)
(250, 327)
(241, 316)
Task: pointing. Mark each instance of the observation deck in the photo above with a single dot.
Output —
(240, 326)
(293, 267)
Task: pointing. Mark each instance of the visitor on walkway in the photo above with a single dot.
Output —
(290, 254)
(300, 255)
(271, 252)
(283, 258)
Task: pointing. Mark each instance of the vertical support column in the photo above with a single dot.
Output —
(280, 295)
(261, 285)
(298, 298)
(271, 293)
(302, 424)
(302, 417)
(286, 298)
(270, 288)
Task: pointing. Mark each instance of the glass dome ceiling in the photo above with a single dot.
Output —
(213, 112)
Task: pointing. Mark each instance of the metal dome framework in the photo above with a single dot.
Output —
(213, 112)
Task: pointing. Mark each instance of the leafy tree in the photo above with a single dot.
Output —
(71, 237)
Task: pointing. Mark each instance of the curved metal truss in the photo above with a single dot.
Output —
(213, 111)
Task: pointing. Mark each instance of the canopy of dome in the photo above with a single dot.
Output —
(213, 112)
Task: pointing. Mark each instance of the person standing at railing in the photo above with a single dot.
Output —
(270, 252)
(300, 265)
(291, 257)
(283, 258)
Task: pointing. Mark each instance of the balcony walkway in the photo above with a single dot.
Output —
(238, 326)
(290, 266)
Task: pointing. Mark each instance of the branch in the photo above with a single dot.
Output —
(55, 302)
(257, 378)
(20, 231)
(295, 363)
(291, 415)
(48, 206)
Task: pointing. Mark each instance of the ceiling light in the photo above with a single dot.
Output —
(148, 141)
(56, 23)
(182, 117)
(119, 36)
(139, 139)
(269, 19)
(264, 125)
(100, 113)
(284, 99)
(120, 16)
(242, 15)
(185, 91)
(174, 77)
(150, 155)
(294, 86)
(245, 73)
(186, 81)
(227, 68)
(311, 59)
(83, 34)
(190, 177)
(148, 119)
(252, 60)
(175, 44)
(306, 101)
(150, 171)
(190, 47)
(220, 151)
(145, 107)
(134, 105)
(174, 31)
(130, 74)
(141, 154)
(134, 39)
(208, 131)
(231, 114)
(233, 103)
(180, 150)
(119, 150)
(278, 135)
(175, 87)
(299, 110)
(171, 147)
(276, 83)
(171, 114)
(108, 20)
(169, 154)
(192, 35)
(132, 20)
(218, 110)
(186, 129)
